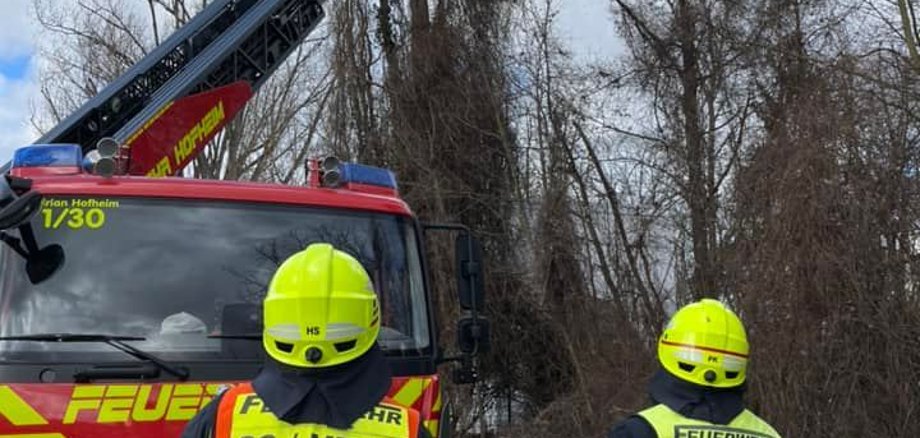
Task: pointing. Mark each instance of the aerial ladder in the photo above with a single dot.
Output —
(163, 110)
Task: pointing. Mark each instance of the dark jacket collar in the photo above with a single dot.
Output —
(335, 397)
(714, 405)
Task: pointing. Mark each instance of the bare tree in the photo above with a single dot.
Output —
(685, 54)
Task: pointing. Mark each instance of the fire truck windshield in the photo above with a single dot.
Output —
(189, 276)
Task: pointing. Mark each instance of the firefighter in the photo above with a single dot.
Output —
(327, 377)
(703, 353)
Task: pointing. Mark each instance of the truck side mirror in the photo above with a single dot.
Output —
(19, 210)
(474, 335)
(43, 263)
(473, 330)
(6, 193)
(470, 285)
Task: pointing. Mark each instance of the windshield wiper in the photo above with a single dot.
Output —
(117, 342)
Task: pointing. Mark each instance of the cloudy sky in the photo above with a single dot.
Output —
(17, 79)
(586, 25)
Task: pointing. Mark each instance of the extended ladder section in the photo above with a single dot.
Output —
(228, 41)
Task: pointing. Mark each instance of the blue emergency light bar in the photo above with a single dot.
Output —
(362, 174)
(48, 155)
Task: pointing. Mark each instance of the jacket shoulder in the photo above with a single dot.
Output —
(762, 424)
(632, 427)
(203, 423)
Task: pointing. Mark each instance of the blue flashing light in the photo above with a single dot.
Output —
(361, 174)
(48, 155)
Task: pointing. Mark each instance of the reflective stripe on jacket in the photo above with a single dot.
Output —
(670, 424)
(242, 414)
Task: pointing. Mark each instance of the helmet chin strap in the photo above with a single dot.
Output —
(314, 355)
(709, 376)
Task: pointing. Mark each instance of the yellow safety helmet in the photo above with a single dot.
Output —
(320, 310)
(705, 343)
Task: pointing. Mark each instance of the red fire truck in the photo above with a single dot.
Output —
(127, 301)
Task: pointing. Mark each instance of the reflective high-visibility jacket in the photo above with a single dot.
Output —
(242, 414)
(670, 424)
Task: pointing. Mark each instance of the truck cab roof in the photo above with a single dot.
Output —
(348, 197)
